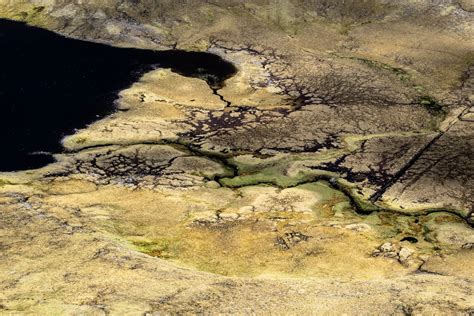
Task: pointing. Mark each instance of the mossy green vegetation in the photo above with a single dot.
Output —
(268, 175)
(161, 248)
(402, 74)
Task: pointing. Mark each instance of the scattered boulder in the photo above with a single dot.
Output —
(404, 254)
(391, 250)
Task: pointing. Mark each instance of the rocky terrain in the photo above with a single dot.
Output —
(331, 174)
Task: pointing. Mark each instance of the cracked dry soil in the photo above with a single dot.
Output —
(331, 174)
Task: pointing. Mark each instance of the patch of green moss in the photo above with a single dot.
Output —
(268, 175)
(280, 163)
(326, 192)
(341, 206)
(402, 74)
(363, 205)
(157, 248)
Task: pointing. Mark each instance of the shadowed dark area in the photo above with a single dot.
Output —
(51, 85)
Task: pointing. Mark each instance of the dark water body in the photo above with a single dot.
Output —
(51, 85)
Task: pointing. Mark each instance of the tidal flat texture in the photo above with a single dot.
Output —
(321, 163)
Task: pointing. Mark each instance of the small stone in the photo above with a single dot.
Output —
(362, 227)
(229, 216)
(404, 254)
(204, 218)
(376, 253)
(386, 247)
(213, 185)
(391, 254)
